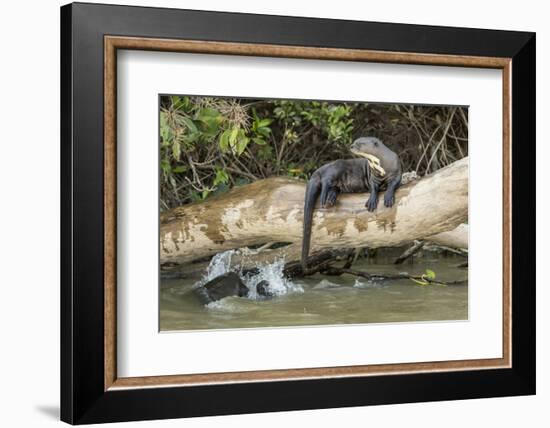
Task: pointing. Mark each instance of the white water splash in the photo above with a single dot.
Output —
(359, 284)
(220, 264)
(272, 273)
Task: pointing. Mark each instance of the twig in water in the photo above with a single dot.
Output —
(331, 270)
(409, 252)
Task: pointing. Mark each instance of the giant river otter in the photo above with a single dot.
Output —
(380, 169)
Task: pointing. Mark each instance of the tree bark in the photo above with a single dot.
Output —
(456, 238)
(247, 259)
(271, 210)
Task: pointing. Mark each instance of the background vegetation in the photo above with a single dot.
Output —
(208, 144)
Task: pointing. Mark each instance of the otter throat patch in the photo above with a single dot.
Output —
(374, 162)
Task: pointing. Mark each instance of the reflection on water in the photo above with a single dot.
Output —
(325, 300)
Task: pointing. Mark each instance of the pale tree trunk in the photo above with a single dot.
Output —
(456, 238)
(271, 210)
(246, 259)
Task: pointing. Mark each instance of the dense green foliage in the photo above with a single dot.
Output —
(209, 145)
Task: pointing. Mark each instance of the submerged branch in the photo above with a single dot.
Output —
(409, 252)
(331, 270)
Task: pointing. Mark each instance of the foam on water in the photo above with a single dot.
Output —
(227, 305)
(367, 284)
(324, 284)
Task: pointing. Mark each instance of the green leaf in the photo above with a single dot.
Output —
(190, 124)
(165, 166)
(430, 274)
(164, 128)
(176, 150)
(190, 138)
(210, 120)
(279, 112)
(195, 196)
(259, 141)
(176, 101)
(210, 126)
(241, 145)
(179, 169)
(205, 113)
(224, 140)
(233, 136)
(221, 177)
(264, 122)
(264, 131)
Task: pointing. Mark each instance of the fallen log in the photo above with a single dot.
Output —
(271, 210)
(248, 259)
(456, 238)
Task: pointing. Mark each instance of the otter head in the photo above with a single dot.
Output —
(373, 150)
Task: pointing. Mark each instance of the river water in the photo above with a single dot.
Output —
(319, 299)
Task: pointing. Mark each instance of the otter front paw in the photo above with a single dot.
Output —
(371, 204)
(389, 200)
(331, 198)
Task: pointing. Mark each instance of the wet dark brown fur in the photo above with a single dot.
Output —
(352, 176)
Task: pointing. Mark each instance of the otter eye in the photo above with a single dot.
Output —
(376, 143)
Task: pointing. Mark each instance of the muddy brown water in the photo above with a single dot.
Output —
(327, 300)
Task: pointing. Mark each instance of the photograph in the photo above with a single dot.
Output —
(275, 210)
(291, 212)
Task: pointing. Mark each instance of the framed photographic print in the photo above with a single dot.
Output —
(265, 213)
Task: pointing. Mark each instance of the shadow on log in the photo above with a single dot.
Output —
(271, 210)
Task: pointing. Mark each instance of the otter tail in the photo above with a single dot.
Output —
(312, 192)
